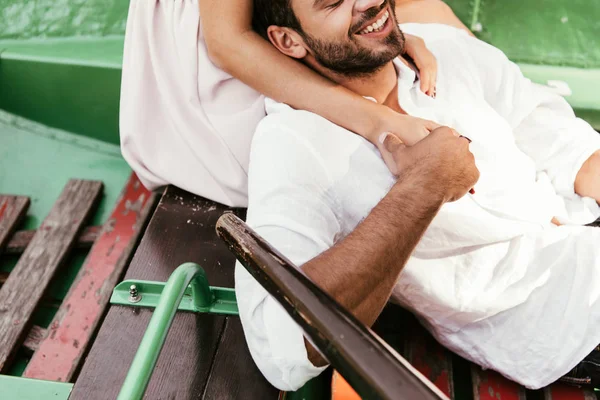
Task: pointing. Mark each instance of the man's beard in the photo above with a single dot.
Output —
(352, 60)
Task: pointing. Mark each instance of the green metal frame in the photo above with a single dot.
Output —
(222, 300)
(13, 387)
(186, 289)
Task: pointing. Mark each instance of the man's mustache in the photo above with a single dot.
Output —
(369, 14)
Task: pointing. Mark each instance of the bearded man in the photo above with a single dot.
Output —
(488, 273)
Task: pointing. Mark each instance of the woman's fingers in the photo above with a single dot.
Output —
(430, 125)
(428, 78)
(425, 82)
(425, 62)
(433, 83)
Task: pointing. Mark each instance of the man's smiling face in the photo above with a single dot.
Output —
(350, 37)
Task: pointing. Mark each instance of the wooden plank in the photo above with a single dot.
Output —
(182, 229)
(490, 385)
(561, 391)
(21, 239)
(31, 276)
(429, 357)
(12, 211)
(76, 321)
(234, 372)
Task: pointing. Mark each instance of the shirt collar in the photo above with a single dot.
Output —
(407, 75)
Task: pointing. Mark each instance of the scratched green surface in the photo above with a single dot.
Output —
(23, 19)
(548, 32)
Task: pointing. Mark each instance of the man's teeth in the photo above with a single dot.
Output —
(376, 26)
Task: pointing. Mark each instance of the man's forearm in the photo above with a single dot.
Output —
(361, 270)
(587, 182)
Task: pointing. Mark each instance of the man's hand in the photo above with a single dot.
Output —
(442, 159)
(361, 270)
(587, 182)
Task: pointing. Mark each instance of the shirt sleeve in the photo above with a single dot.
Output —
(544, 124)
(290, 206)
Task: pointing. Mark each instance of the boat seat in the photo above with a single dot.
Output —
(205, 355)
(61, 64)
(68, 83)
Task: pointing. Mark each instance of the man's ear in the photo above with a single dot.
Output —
(287, 41)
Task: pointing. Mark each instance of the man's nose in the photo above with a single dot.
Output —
(363, 5)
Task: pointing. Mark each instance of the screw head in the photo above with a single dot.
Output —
(134, 295)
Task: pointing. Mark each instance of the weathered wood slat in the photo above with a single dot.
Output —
(429, 357)
(29, 279)
(182, 229)
(69, 334)
(21, 239)
(12, 211)
(34, 337)
(490, 385)
(561, 391)
(233, 369)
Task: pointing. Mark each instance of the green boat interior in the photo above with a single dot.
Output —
(60, 71)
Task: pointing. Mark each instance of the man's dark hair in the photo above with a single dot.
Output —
(274, 12)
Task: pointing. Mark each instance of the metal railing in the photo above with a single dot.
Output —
(187, 280)
(371, 367)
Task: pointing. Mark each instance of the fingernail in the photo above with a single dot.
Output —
(472, 191)
(383, 136)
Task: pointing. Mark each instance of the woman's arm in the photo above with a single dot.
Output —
(237, 49)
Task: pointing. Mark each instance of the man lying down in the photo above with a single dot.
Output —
(488, 273)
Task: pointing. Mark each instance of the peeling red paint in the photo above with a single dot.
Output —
(431, 359)
(490, 385)
(3, 208)
(560, 391)
(71, 334)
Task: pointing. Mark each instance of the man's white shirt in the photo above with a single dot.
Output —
(492, 278)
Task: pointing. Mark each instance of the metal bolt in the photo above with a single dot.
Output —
(134, 296)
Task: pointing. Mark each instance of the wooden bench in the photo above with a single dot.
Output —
(205, 356)
(57, 351)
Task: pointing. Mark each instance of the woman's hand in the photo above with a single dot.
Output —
(405, 129)
(426, 62)
(409, 130)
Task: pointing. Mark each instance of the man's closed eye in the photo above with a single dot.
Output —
(334, 5)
